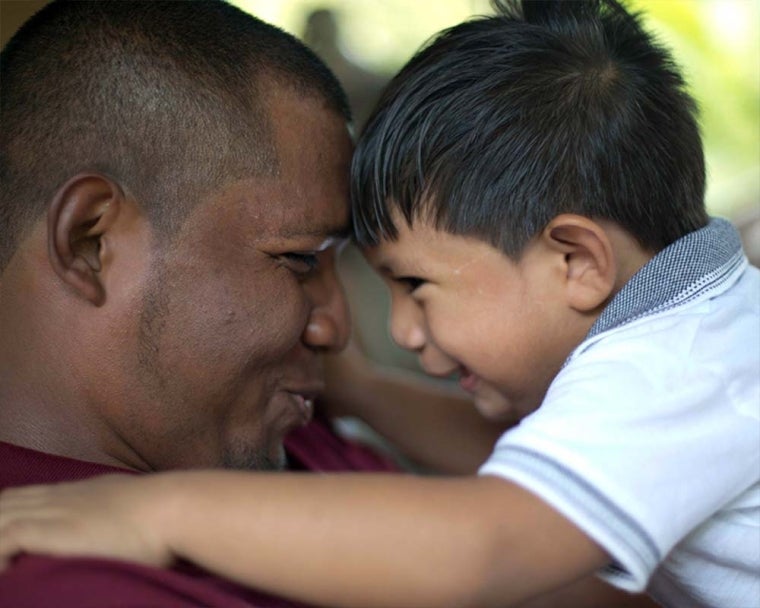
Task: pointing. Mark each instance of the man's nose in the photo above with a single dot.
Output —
(406, 324)
(329, 325)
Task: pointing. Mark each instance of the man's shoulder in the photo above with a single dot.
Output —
(35, 581)
(21, 466)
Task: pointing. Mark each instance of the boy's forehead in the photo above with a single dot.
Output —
(422, 248)
(415, 246)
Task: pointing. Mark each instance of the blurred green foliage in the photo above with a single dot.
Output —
(716, 43)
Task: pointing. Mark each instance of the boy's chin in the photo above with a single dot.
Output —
(497, 409)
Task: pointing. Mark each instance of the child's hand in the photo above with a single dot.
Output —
(101, 517)
(349, 376)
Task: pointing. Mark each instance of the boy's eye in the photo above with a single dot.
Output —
(301, 263)
(410, 284)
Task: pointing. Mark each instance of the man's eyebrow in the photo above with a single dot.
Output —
(335, 232)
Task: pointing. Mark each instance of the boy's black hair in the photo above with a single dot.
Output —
(501, 123)
(166, 97)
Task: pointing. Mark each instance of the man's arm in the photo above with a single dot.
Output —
(348, 540)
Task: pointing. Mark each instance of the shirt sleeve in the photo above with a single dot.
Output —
(643, 436)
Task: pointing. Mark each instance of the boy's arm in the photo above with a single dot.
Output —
(433, 425)
(342, 540)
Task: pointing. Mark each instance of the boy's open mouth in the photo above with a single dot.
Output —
(467, 380)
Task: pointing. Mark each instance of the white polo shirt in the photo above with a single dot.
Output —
(649, 437)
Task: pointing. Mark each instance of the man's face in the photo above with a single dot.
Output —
(466, 309)
(237, 310)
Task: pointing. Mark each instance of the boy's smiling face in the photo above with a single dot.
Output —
(467, 309)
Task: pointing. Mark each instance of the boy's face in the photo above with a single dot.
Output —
(467, 309)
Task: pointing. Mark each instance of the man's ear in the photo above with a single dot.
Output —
(79, 216)
(589, 258)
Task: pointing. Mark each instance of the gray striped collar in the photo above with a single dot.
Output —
(700, 261)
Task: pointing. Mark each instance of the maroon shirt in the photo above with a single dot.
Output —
(34, 581)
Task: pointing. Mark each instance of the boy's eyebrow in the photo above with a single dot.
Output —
(380, 262)
(387, 268)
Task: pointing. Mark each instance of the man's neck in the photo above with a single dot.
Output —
(53, 429)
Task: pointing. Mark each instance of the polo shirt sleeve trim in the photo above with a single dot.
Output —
(577, 500)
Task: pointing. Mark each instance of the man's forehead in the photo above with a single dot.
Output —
(295, 230)
(272, 205)
(302, 216)
(307, 197)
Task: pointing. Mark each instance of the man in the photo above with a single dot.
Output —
(173, 181)
(174, 185)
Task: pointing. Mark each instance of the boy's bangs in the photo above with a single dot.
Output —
(386, 175)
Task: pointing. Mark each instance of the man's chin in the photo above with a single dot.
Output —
(248, 459)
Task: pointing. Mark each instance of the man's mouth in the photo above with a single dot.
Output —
(305, 406)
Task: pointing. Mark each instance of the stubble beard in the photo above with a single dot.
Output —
(156, 303)
(244, 458)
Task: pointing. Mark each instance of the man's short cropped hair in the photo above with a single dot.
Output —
(501, 123)
(165, 97)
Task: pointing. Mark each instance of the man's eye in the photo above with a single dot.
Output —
(301, 263)
(410, 284)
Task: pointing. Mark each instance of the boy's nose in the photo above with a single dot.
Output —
(406, 325)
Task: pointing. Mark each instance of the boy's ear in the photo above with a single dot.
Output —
(589, 259)
(80, 214)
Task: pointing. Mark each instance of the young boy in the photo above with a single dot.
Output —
(531, 187)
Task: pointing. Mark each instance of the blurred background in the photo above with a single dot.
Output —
(716, 42)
